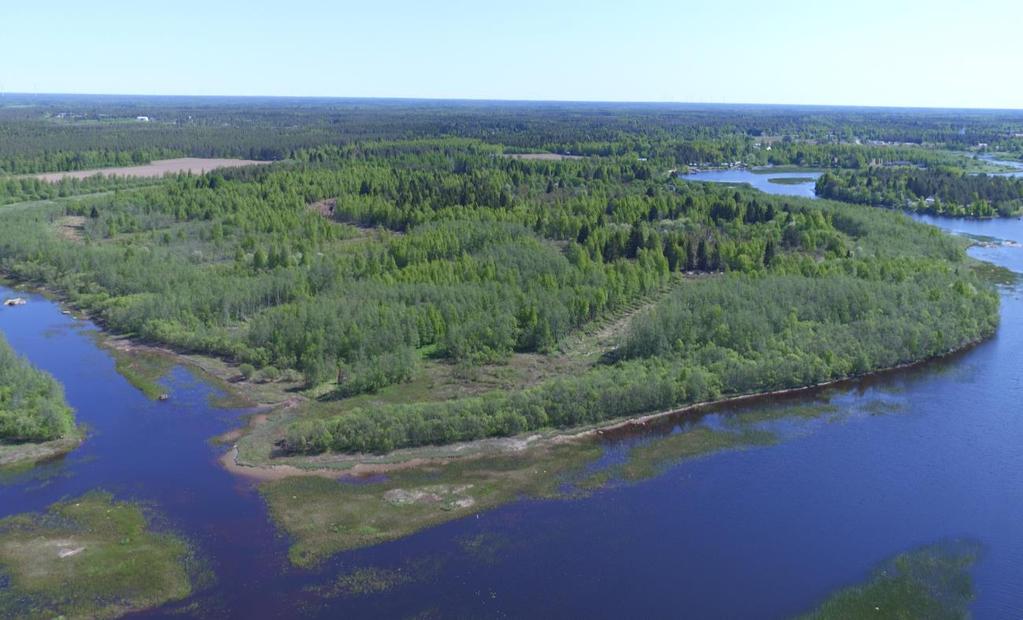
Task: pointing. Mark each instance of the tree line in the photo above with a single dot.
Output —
(938, 191)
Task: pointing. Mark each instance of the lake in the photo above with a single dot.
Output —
(860, 472)
(782, 183)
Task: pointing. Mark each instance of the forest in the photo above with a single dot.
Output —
(32, 405)
(64, 132)
(937, 191)
(350, 267)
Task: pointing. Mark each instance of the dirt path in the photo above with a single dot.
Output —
(601, 337)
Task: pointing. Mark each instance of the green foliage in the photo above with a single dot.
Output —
(32, 405)
(936, 191)
(24, 189)
(715, 338)
(354, 259)
(39, 133)
(247, 371)
(896, 299)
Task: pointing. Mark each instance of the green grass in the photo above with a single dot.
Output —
(933, 582)
(91, 557)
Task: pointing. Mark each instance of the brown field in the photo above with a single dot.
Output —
(158, 168)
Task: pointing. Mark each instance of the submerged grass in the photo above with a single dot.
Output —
(325, 516)
(89, 558)
(368, 580)
(933, 582)
(650, 459)
(143, 370)
(995, 274)
(791, 180)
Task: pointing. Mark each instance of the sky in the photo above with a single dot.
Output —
(934, 53)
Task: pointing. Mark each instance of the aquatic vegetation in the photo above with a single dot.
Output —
(325, 516)
(485, 547)
(933, 582)
(649, 459)
(143, 370)
(995, 274)
(90, 557)
(791, 180)
(376, 580)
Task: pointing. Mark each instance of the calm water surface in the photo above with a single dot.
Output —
(766, 532)
(762, 180)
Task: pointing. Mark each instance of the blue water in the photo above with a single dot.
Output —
(761, 180)
(765, 532)
(1013, 164)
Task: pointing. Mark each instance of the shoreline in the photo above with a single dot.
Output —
(363, 465)
(344, 465)
(14, 456)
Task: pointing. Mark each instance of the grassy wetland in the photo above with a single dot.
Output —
(90, 557)
(323, 515)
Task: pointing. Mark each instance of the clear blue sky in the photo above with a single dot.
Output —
(870, 52)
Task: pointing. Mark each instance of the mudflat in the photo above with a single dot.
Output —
(157, 168)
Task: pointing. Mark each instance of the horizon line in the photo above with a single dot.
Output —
(4, 94)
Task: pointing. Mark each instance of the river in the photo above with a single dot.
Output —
(763, 532)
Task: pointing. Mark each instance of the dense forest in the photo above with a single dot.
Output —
(32, 406)
(898, 297)
(350, 265)
(50, 132)
(24, 189)
(938, 191)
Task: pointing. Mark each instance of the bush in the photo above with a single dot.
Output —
(247, 371)
(270, 374)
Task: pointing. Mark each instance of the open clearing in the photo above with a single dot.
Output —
(158, 168)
